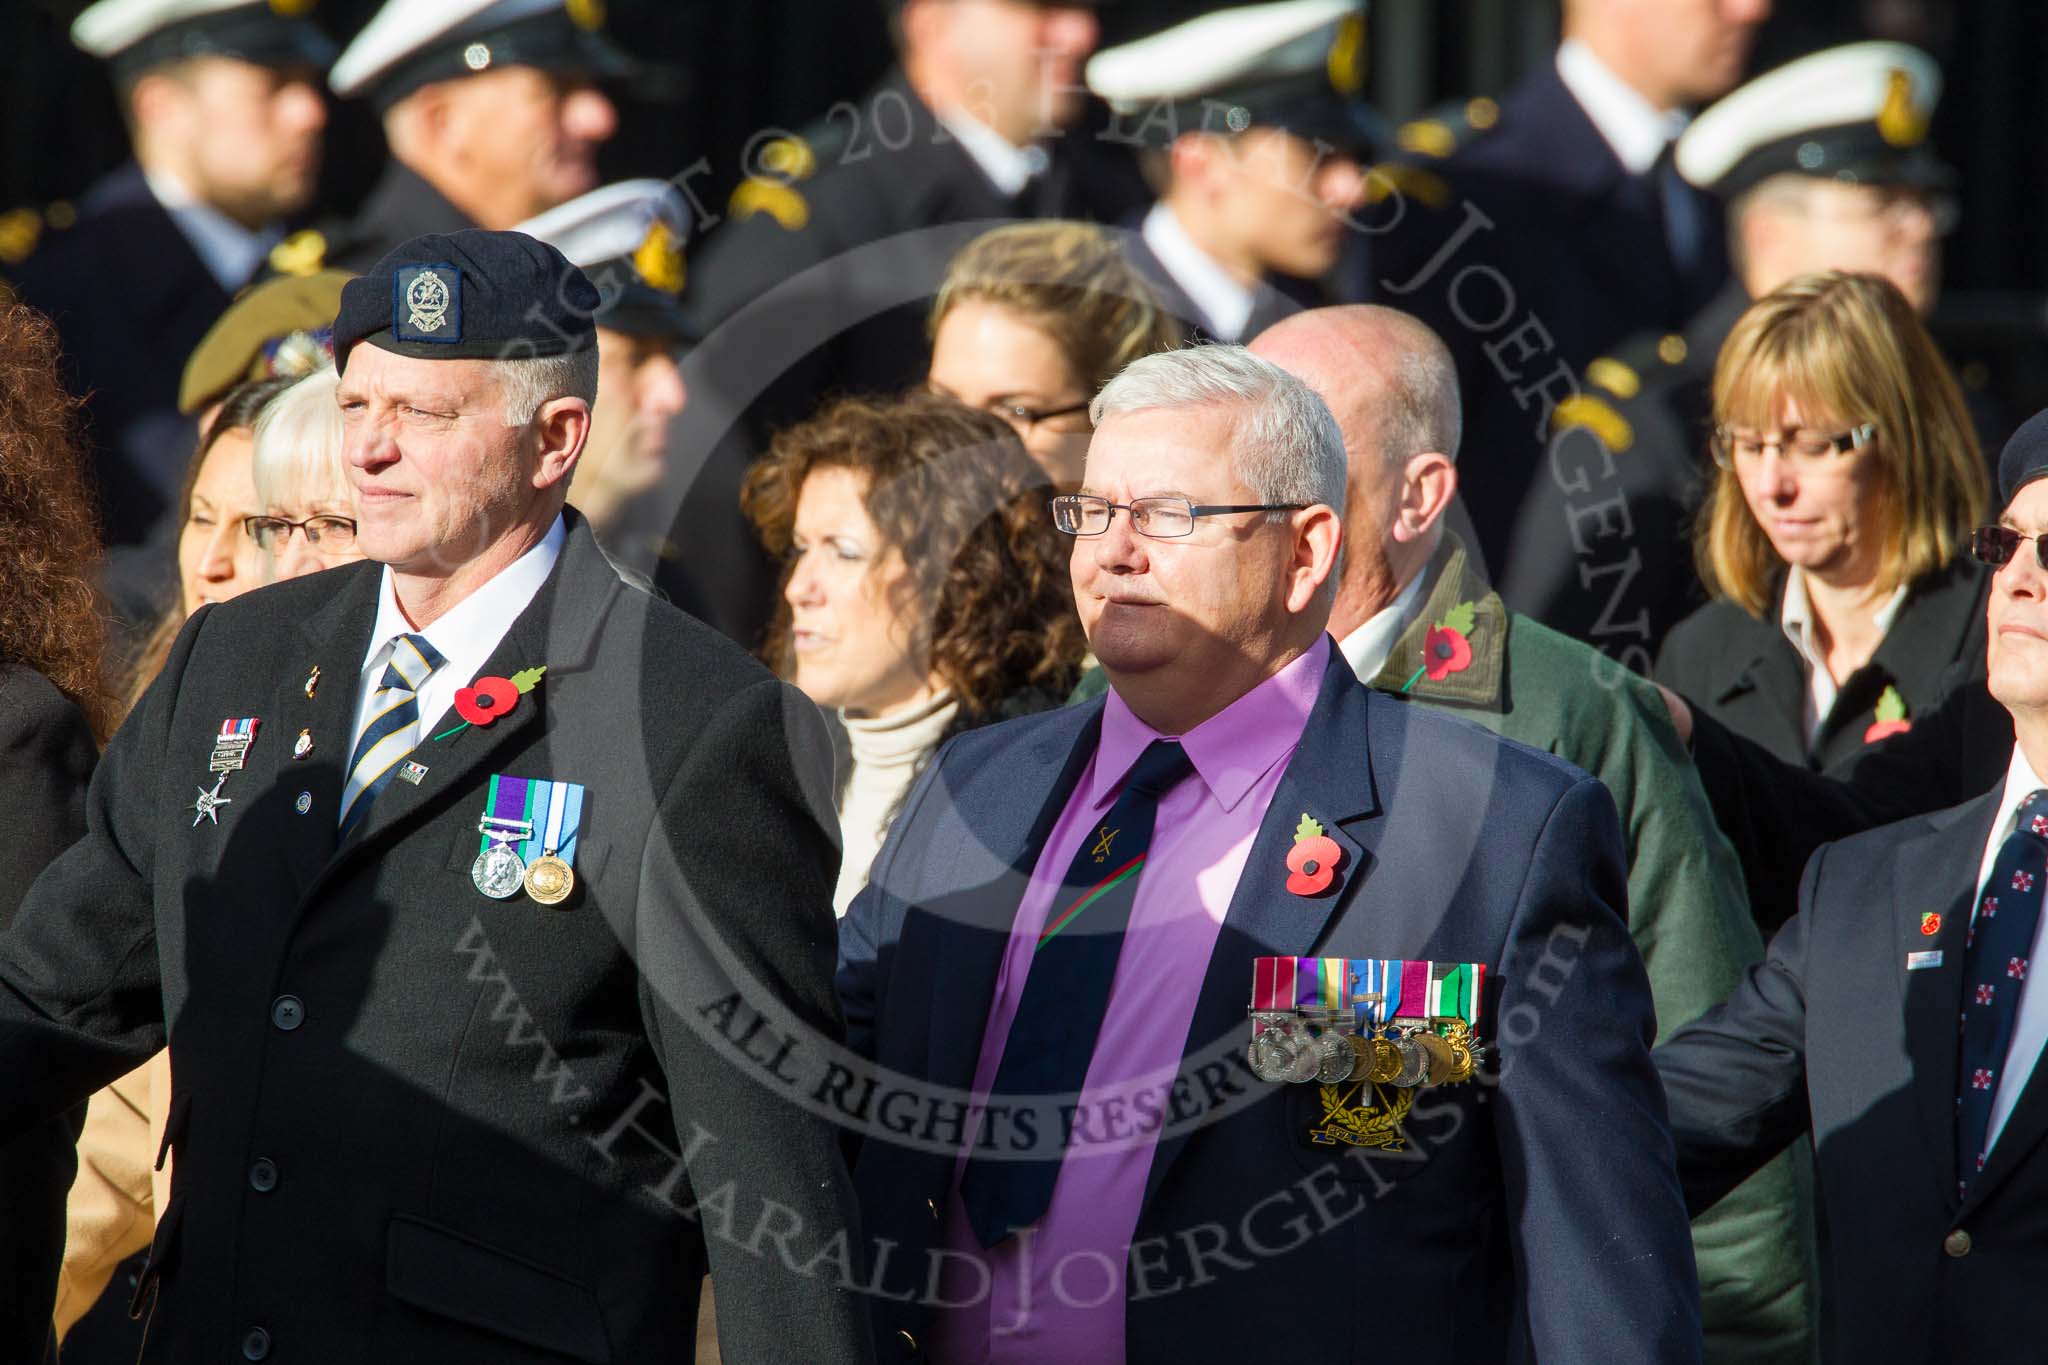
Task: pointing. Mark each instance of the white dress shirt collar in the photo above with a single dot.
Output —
(1008, 167)
(230, 252)
(2030, 1029)
(1225, 305)
(1366, 648)
(1795, 618)
(1636, 129)
(465, 635)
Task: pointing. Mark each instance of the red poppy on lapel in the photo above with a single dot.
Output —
(1312, 862)
(488, 698)
(1891, 717)
(1930, 923)
(1444, 652)
(485, 700)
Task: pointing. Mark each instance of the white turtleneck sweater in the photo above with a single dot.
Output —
(886, 753)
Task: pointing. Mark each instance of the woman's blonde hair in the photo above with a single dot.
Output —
(298, 443)
(1071, 281)
(1847, 349)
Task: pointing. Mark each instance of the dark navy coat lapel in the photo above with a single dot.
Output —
(975, 923)
(336, 637)
(1936, 872)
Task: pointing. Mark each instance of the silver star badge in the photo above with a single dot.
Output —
(207, 807)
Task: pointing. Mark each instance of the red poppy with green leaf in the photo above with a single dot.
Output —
(1891, 717)
(1312, 862)
(486, 699)
(1446, 645)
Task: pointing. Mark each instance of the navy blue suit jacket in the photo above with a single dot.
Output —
(1833, 1032)
(1534, 1214)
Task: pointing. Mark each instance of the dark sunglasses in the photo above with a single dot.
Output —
(1996, 545)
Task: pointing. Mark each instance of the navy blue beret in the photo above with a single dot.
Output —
(2025, 457)
(469, 295)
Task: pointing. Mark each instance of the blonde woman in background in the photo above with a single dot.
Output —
(308, 521)
(1031, 321)
(1833, 537)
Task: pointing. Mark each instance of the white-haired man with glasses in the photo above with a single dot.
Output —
(1058, 944)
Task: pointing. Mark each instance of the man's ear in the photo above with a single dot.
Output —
(563, 425)
(1429, 482)
(1318, 535)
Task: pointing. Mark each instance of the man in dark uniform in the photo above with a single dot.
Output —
(1928, 1136)
(1824, 165)
(1559, 229)
(490, 112)
(821, 275)
(474, 1009)
(222, 101)
(1248, 117)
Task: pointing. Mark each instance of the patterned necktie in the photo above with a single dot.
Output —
(394, 726)
(1066, 991)
(1994, 975)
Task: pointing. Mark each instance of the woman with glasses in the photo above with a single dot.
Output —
(1031, 321)
(308, 520)
(1832, 539)
(925, 590)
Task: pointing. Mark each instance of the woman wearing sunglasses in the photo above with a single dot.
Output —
(1833, 537)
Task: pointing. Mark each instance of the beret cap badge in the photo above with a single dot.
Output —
(430, 303)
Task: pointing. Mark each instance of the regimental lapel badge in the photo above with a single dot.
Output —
(1920, 962)
(303, 745)
(529, 831)
(312, 682)
(412, 773)
(207, 807)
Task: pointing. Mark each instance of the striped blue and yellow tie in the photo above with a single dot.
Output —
(394, 728)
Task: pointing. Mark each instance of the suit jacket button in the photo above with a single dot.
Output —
(263, 1175)
(255, 1344)
(287, 1012)
(1957, 1243)
(909, 1341)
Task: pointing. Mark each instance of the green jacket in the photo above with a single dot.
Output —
(1688, 911)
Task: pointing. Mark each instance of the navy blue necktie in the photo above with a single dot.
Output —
(1066, 993)
(1995, 975)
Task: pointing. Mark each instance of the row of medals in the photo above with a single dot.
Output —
(500, 873)
(1405, 1053)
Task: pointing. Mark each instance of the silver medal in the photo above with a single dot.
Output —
(1334, 1058)
(498, 872)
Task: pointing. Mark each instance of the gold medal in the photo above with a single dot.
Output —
(549, 880)
(1441, 1063)
(1380, 1060)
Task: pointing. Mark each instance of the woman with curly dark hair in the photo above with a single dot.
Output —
(53, 706)
(925, 593)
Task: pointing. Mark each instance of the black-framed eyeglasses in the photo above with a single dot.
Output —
(1808, 448)
(1996, 545)
(1084, 514)
(324, 532)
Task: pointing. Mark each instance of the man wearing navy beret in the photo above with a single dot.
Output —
(445, 876)
(1896, 1018)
